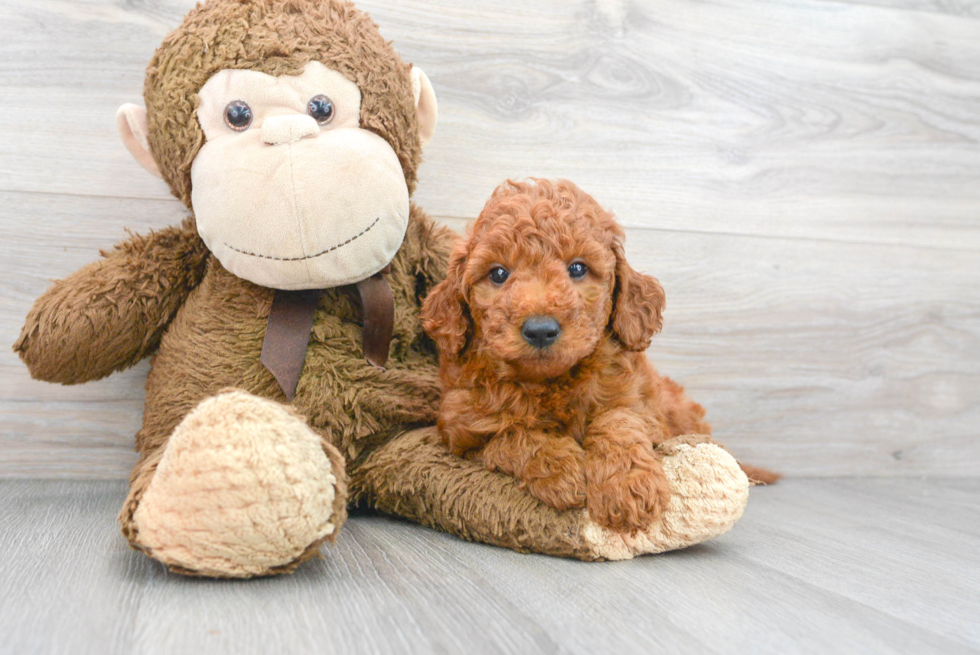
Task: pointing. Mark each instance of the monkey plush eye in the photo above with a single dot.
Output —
(498, 275)
(238, 115)
(577, 270)
(321, 109)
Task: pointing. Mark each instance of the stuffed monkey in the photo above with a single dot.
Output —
(290, 375)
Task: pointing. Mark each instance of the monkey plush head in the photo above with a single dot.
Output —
(292, 130)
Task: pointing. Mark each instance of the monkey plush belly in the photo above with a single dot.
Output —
(215, 342)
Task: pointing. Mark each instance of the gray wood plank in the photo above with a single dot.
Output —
(796, 118)
(69, 582)
(813, 567)
(890, 558)
(374, 595)
(700, 600)
(966, 8)
(799, 173)
(812, 357)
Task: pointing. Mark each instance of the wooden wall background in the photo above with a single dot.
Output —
(802, 175)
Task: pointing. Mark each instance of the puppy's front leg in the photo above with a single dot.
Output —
(462, 427)
(551, 467)
(627, 489)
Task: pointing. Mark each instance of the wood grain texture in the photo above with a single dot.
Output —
(791, 117)
(802, 175)
(814, 567)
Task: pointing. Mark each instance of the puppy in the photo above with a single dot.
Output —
(541, 327)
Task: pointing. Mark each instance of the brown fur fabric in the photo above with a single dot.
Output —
(277, 37)
(65, 337)
(164, 295)
(576, 421)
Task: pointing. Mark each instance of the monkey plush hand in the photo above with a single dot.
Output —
(289, 366)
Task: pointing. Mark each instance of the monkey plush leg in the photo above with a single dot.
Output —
(242, 488)
(416, 477)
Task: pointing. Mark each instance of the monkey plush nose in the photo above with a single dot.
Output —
(280, 130)
(540, 331)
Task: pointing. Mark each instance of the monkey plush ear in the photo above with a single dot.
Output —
(426, 107)
(133, 128)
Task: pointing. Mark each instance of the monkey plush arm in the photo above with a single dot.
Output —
(112, 313)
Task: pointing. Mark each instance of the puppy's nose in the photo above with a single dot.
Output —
(540, 331)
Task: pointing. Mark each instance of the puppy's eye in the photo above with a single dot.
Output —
(577, 270)
(238, 115)
(498, 275)
(320, 108)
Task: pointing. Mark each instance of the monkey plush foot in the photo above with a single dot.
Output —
(415, 476)
(243, 488)
(708, 493)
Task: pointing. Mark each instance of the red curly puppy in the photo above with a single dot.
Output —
(541, 327)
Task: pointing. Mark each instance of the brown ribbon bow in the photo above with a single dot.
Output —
(291, 322)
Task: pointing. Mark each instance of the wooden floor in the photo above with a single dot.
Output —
(816, 566)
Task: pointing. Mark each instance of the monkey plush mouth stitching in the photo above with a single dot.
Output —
(299, 259)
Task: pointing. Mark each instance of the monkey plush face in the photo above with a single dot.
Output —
(288, 190)
(293, 132)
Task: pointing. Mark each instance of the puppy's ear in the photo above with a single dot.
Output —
(638, 305)
(444, 315)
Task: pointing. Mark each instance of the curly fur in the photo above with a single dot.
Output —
(576, 422)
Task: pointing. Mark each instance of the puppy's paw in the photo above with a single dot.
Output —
(708, 495)
(560, 493)
(627, 492)
(556, 476)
